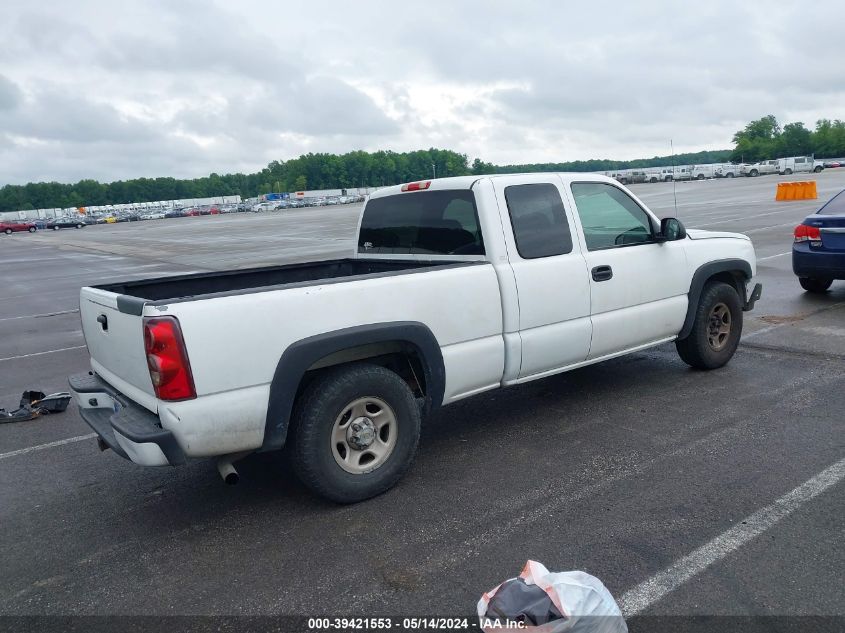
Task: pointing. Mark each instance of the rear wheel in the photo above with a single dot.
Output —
(817, 169)
(79, 226)
(716, 328)
(700, 177)
(31, 229)
(730, 174)
(814, 284)
(787, 172)
(754, 173)
(8, 231)
(355, 432)
(55, 228)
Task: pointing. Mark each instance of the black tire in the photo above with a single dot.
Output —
(8, 231)
(55, 228)
(754, 173)
(817, 169)
(787, 172)
(814, 284)
(730, 174)
(79, 226)
(697, 350)
(316, 413)
(700, 177)
(31, 229)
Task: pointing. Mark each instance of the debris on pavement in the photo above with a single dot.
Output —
(539, 600)
(34, 404)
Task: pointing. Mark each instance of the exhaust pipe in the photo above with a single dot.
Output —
(226, 468)
(228, 472)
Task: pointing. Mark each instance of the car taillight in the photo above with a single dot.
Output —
(167, 359)
(416, 186)
(804, 233)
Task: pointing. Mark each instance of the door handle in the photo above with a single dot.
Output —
(602, 273)
(103, 320)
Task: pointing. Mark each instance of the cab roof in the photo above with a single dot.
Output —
(466, 182)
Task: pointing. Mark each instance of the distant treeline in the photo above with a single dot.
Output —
(759, 140)
(764, 139)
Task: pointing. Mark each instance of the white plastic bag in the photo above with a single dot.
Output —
(583, 603)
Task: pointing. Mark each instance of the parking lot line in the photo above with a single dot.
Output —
(760, 259)
(647, 593)
(49, 351)
(44, 314)
(69, 440)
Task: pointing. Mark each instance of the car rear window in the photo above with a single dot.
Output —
(422, 222)
(835, 206)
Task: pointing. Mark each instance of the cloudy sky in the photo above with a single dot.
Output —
(108, 90)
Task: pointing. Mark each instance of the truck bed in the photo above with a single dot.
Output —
(184, 287)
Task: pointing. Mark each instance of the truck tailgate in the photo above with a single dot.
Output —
(116, 344)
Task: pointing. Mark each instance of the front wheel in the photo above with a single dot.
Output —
(814, 284)
(55, 228)
(355, 432)
(716, 328)
(817, 169)
(730, 174)
(79, 226)
(31, 229)
(787, 172)
(754, 173)
(8, 231)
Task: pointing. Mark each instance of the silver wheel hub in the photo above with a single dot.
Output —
(361, 433)
(364, 435)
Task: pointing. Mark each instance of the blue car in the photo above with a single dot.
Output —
(818, 252)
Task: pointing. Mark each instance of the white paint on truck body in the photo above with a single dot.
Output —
(504, 320)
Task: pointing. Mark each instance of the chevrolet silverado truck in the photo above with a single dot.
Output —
(457, 286)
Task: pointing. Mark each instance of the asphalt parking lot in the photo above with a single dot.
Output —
(624, 469)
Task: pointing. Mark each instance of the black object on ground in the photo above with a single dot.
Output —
(34, 404)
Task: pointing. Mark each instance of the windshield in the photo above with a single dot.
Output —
(422, 222)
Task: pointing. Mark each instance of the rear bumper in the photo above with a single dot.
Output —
(817, 264)
(128, 429)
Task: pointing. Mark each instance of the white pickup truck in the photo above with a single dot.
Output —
(457, 286)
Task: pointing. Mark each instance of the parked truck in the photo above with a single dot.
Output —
(762, 168)
(457, 286)
(797, 165)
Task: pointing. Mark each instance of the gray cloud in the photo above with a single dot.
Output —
(113, 90)
(10, 94)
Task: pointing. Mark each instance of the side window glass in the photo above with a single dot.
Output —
(609, 216)
(539, 222)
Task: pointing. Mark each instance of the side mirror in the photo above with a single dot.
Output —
(671, 229)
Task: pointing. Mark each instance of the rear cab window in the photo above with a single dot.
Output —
(540, 227)
(443, 222)
(834, 206)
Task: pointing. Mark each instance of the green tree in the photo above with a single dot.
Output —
(300, 183)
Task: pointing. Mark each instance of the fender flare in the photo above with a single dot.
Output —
(700, 277)
(301, 355)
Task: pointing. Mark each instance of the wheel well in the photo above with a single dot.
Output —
(400, 357)
(735, 278)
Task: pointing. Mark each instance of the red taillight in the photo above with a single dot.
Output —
(167, 359)
(804, 233)
(416, 186)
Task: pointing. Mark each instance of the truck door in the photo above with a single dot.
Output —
(638, 286)
(552, 282)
